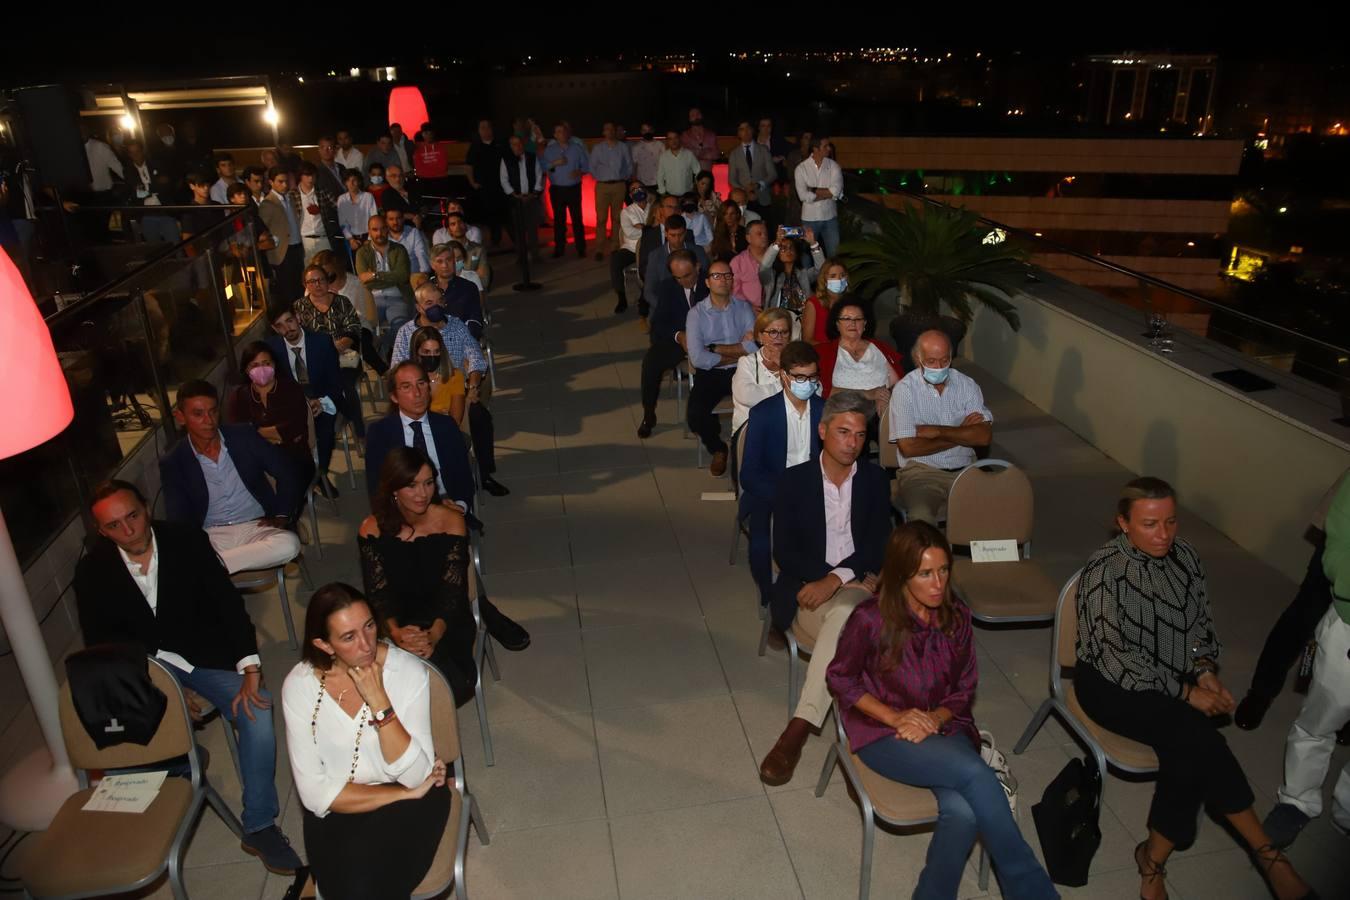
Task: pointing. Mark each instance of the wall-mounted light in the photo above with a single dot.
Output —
(127, 122)
(270, 116)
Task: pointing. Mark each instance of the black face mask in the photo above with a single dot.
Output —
(638, 196)
(435, 313)
(647, 135)
(430, 362)
(689, 207)
(694, 123)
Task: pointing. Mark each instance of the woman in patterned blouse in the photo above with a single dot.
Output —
(904, 679)
(322, 311)
(1148, 669)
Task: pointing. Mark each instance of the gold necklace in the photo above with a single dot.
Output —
(360, 726)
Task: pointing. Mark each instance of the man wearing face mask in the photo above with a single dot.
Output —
(631, 221)
(780, 433)
(459, 297)
(700, 229)
(647, 157)
(938, 418)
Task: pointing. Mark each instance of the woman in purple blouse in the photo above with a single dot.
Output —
(904, 678)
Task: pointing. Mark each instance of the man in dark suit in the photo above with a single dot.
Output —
(751, 168)
(782, 431)
(659, 243)
(678, 294)
(329, 174)
(311, 360)
(161, 587)
(217, 479)
(831, 521)
(411, 425)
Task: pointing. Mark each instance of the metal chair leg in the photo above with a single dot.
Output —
(869, 839)
(217, 803)
(286, 606)
(347, 452)
(476, 816)
(481, 702)
(314, 524)
(491, 656)
(792, 649)
(984, 868)
(1034, 725)
(828, 769)
(735, 538)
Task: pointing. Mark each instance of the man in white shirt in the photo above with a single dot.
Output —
(820, 184)
(317, 206)
(937, 419)
(411, 239)
(522, 180)
(103, 164)
(225, 177)
(678, 168)
(631, 222)
(348, 155)
(646, 153)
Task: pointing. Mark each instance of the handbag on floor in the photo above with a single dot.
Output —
(994, 758)
(1067, 822)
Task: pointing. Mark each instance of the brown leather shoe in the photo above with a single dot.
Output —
(778, 766)
(777, 640)
(718, 467)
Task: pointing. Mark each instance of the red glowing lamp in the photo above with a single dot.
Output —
(408, 108)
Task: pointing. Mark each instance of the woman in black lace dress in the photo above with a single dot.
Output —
(415, 564)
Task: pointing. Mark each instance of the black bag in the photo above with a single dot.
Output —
(1067, 822)
(113, 695)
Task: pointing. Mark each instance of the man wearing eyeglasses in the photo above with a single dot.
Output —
(780, 432)
(717, 333)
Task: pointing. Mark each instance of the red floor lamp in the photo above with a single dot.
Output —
(35, 405)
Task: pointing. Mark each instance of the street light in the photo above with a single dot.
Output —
(127, 122)
(270, 116)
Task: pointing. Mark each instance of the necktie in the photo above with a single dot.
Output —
(419, 435)
(749, 158)
(301, 373)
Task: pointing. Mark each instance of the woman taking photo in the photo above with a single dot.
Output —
(277, 408)
(830, 286)
(415, 565)
(447, 382)
(850, 361)
(786, 282)
(358, 731)
(904, 678)
(1148, 669)
(756, 377)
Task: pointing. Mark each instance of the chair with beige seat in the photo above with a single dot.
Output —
(85, 853)
(1106, 747)
(896, 804)
(992, 500)
(801, 642)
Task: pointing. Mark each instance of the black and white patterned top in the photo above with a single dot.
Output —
(1143, 622)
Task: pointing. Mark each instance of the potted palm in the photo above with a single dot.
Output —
(939, 258)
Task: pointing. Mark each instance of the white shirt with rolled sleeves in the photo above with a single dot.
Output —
(915, 402)
(321, 761)
(807, 177)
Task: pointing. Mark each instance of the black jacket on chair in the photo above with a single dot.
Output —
(387, 433)
(799, 530)
(199, 613)
(185, 496)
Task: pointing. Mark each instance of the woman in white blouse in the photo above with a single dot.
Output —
(358, 730)
(756, 376)
(852, 361)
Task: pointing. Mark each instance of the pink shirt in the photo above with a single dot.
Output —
(748, 286)
(839, 521)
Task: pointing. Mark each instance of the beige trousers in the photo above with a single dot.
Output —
(922, 491)
(609, 203)
(827, 620)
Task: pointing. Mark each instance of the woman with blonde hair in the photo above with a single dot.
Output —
(756, 376)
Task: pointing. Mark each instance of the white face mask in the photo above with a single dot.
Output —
(168, 140)
(837, 285)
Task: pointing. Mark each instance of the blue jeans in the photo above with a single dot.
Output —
(394, 312)
(827, 232)
(257, 742)
(971, 802)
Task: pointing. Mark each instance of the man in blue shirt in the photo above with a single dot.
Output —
(717, 332)
(611, 165)
(565, 163)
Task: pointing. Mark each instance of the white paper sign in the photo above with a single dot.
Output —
(126, 793)
(993, 551)
(721, 496)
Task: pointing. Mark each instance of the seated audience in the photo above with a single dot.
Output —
(831, 284)
(457, 230)
(374, 809)
(217, 479)
(447, 380)
(728, 235)
(705, 196)
(415, 565)
(757, 374)
(461, 294)
(324, 311)
(1148, 660)
(412, 424)
(676, 296)
(346, 285)
(280, 214)
(700, 225)
(904, 676)
(784, 280)
(850, 361)
(398, 197)
(937, 419)
(650, 241)
(161, 586)
(383, 267)
(748, 214)
(718, 332)
(778, 436)
(631, 221)
(276, 407)
(319, 226)
(354, 209)
(376, 184)
(310, 360)
(411, 238)
(830, 524)
(748, 262)
(665, 240)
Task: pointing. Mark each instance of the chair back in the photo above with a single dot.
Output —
(990, 500)
(738, 449)
(444, 719)
(1064, 653)
(172, 738)
(888, 454)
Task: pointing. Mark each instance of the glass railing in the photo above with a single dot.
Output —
(165, 313)
(1169, 316)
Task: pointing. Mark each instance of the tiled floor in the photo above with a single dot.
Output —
(627, 736)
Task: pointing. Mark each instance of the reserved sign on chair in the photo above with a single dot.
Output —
(994, 551)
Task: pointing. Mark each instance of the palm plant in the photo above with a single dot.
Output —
(937, 255)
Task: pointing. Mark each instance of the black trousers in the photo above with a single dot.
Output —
(484, 442)
(1292, 630)
(618, 261)
(382, 853)
(566, 201)
(371, 354)
(659, 359)
(491, 203)
(351, 401)
(711, 387)
(286, 276)
(1195, 766)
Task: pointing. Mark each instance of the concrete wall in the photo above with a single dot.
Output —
(1069, 155)
(1251, 473)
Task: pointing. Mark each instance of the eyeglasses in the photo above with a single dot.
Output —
(720, 276)
(776, 332)
(805, 379)
(852, 319)
(315, 280)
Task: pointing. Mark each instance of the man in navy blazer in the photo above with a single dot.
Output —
(675, 296)
(412, 425)
(311, 359)
(216, 478)
(831, 522)
(782, 431)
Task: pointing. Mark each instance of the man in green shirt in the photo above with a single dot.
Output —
(384, 268)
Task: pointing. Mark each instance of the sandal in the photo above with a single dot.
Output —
(1265, 863)
(1154, 869)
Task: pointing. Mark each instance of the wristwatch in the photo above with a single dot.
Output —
(383, 716)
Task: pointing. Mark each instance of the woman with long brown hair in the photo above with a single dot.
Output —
(904, 679)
